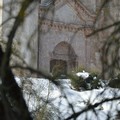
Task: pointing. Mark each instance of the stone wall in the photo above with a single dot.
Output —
(27, 34)
(70, 25)
(1, 4)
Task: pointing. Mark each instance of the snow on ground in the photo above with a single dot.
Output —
(63, 96)
(83, 74)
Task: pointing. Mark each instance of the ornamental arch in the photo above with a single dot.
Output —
(64, 57)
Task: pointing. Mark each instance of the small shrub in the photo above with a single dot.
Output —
(79, 69)
(95, 81)
(77, 82)
(58, 70)
(91, 82)
(115, 82)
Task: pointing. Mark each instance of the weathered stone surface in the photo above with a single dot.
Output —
(68, 25)
(27, 33)
(64, 28)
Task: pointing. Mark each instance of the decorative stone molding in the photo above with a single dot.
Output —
(88, 31)
(82, 12)
(59, 26)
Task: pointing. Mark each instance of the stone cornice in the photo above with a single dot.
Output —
(59, 26)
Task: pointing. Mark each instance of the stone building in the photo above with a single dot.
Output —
(63, 29)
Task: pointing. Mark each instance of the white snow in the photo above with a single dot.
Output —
(63, 96)
(83, 74)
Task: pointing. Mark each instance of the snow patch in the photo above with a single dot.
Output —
(62, 97)
(83, 74)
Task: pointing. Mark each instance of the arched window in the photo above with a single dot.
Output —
(63, 57)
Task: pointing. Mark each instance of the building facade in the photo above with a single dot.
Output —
(57, 31)
(63, 29)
